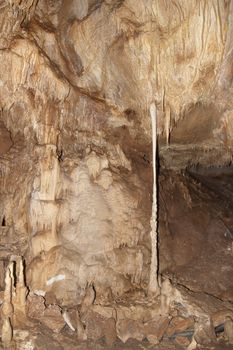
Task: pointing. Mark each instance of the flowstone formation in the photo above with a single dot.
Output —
(110, 113)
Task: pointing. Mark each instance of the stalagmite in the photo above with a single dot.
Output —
(7, 333)
(21, 290)
(7, 309)
(166, 296)
(153, 283)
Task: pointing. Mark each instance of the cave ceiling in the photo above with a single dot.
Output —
(108, 60)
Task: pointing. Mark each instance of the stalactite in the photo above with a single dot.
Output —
(167, 123)
(219, 18)
(153, 283)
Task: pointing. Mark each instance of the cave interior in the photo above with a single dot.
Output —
(116, 175)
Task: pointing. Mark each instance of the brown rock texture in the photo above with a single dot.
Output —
(77, 82)
(77, 79)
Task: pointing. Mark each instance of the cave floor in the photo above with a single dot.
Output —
(45, 341)
(39, 337)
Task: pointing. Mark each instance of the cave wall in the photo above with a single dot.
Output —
(76, 82)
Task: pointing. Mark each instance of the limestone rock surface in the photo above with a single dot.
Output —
(77, 80)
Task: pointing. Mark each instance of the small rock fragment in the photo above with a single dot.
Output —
(127, 329)
(53, 318)
(183, 341)
(179, 324)
(109, 330)
(35, 307)
(155, 330)
(204, 332)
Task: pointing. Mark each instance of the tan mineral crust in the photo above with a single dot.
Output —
(83, 84)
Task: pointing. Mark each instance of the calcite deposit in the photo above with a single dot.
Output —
(115, 173)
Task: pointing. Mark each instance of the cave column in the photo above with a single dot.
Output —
(153, 287)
